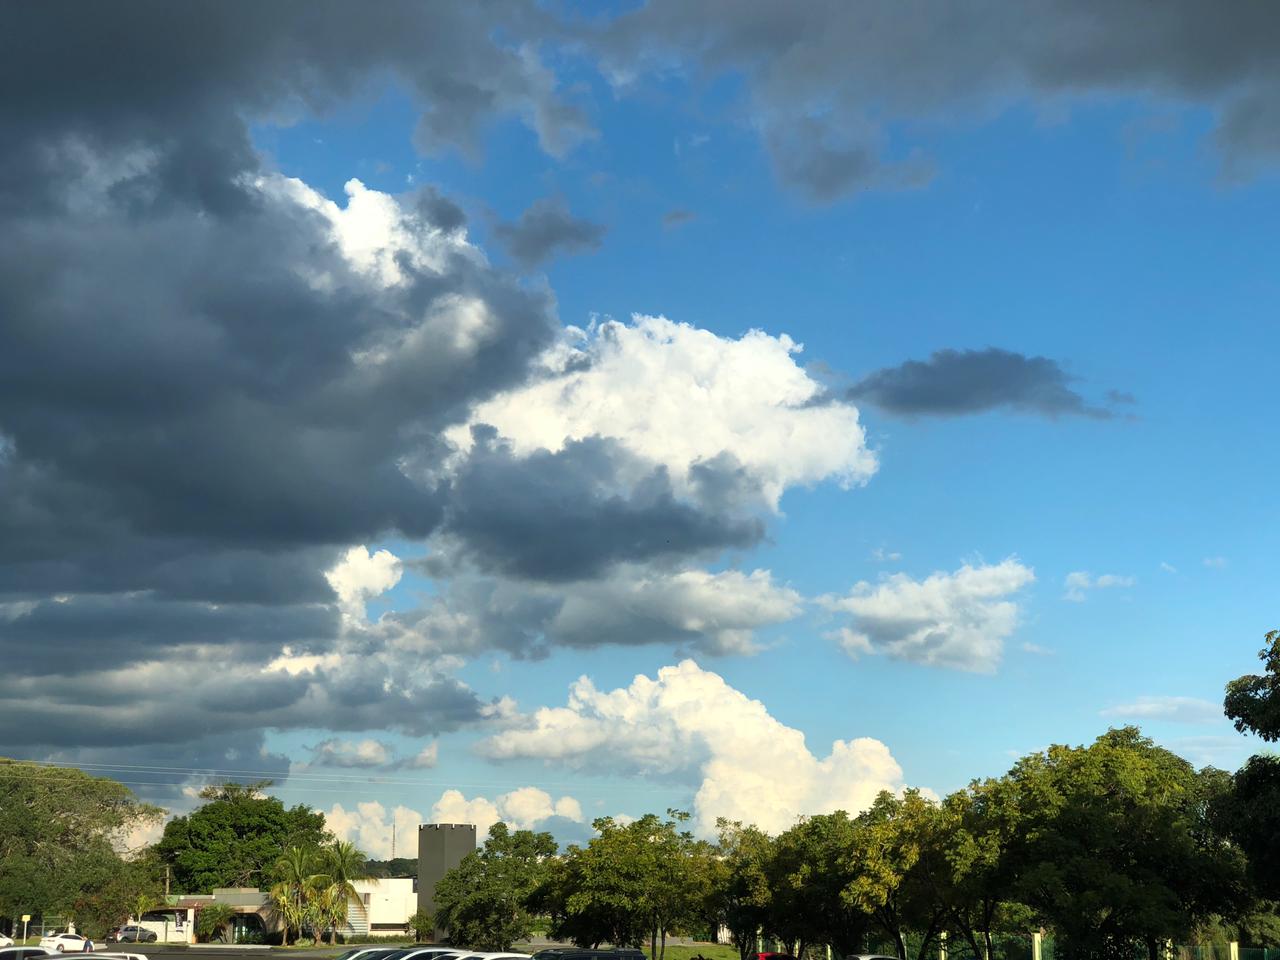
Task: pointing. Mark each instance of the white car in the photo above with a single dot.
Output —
(64, 943)
(5, 941)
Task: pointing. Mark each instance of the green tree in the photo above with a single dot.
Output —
(59, 828)
(341, 864)
(1253, 701)
(812, 869)
(1251, 814)
(966, 866)
(892, 841)
(485, 900)
(740, 882)
(1118, 847)
(423, 925)
(112, 888)
(235, 838)
(631, 883)
(1253, 809)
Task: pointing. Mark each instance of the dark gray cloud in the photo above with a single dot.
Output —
(203, 396)
(577, 511)
(632, 605)
(830, 82)
(545, 229)
(957, 382)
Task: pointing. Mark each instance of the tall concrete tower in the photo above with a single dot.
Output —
(441, 847)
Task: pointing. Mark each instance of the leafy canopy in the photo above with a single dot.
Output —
(484, 901)
(236, 838)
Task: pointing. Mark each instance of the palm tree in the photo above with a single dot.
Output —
(342, 864)
(287, 907)
(295, 868)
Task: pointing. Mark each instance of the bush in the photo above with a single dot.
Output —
(423, 926)
(212, 920)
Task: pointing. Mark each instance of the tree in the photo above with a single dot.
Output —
(1253, 701)
(741, 894)
(892, 842)
(340, 865)
(485, 900)
(811, 872)
(422, 925)
(58, 831)
(966, 866)
(235, 838)
(1253, 809)
(1118, 846)
(1251, 814)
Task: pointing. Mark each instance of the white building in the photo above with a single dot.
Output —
(386, 906)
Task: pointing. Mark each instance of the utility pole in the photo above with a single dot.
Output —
(393, 839)
(166, 881)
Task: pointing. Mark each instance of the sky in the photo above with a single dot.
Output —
(540, 412)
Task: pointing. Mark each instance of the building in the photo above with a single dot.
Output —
(386, 906)
(441, 847)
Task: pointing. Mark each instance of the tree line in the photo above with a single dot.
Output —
(1114, 848)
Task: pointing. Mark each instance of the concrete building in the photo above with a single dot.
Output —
(441, 847)
(385, 908)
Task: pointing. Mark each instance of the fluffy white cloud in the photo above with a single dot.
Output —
(368, 826)
(678, 395)
(359, 575)
(350, 753)
(957, 620)
(523, 808)
(689, 722)
(1080, 581)
(1174, 709)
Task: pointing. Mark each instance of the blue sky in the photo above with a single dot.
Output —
(1037, 269)
(1101, 238)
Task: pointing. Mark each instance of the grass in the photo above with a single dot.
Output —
(712, 951)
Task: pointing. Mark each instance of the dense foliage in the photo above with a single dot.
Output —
(1114, 847)
(59, 830)
(485, 901)
(236, 839)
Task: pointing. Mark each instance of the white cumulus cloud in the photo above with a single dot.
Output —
(958, 620)
(689, 722)
(368, 826)
(524, 808)
(678, 395)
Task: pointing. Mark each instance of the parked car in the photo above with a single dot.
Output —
(5, 941)
(21, 953)
(575, 953)
(118, 955)
(131, 933)
(65, 943)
